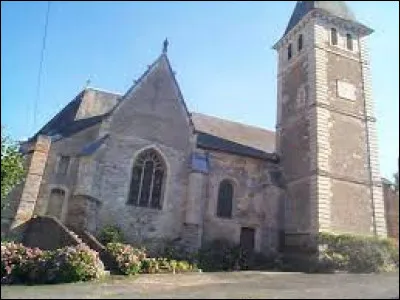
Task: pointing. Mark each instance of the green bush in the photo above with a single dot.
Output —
(184, 266)
(149, 266)
(12, 167)
(260, 261)
(176, 251)
(71, 264)
(129, 259)
(223, 255)
(111, 234)
(164, 265)
(357, 254)
(219, 255)
(20, 264)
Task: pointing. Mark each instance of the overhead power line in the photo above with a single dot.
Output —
(41, 64)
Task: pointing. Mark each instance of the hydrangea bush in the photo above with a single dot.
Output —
(20, 264)
(129, 259)
(78, 263)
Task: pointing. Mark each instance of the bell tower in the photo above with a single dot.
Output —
(326, 132)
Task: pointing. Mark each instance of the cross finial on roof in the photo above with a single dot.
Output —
(165, 46)
(87, 83)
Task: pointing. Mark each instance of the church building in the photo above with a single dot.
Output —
(142, 161)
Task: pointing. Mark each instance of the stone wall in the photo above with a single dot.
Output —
(256, 201)
(140, 225)
(295, 128)
(351, 165)
(351, 208)
(151, 116)
(70, 146)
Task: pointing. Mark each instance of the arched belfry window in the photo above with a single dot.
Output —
(289, 52)
(349, 42)
(148, 175)
(334, 36)
(225, 196)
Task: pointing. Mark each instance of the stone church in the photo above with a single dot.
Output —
(142, 161)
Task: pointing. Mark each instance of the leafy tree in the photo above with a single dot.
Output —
(12, 169)
(396, 176)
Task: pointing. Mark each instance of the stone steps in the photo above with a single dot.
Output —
(91, 241)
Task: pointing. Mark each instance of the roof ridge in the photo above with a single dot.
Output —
(211, 141)
(144, 74)
(69, 105)
(235, 122)
(136, 83)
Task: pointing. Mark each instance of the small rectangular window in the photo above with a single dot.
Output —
(300, 43)
(289, 53)
(276, 178)
(63, 165)
(334, 37)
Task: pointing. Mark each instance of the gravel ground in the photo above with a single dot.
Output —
(239, 285)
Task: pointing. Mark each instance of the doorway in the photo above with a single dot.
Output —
(247, 239)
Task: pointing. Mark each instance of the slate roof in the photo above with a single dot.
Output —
(246, 135)
(336, 8)
(64, 124)
(212, 142)
(64, 118)
(92, 147)
(213, 133)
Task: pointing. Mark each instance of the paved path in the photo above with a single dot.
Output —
(239, 285)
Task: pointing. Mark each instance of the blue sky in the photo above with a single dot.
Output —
(221, 52)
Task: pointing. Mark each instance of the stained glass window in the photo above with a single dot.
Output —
(147, 180)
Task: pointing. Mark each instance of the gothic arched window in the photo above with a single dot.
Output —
(225, 195)
(349, 42)
(300, 43)
(334, 37)
(147, 180)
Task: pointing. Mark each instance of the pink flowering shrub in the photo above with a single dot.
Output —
(20, 264)
(128, 259)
